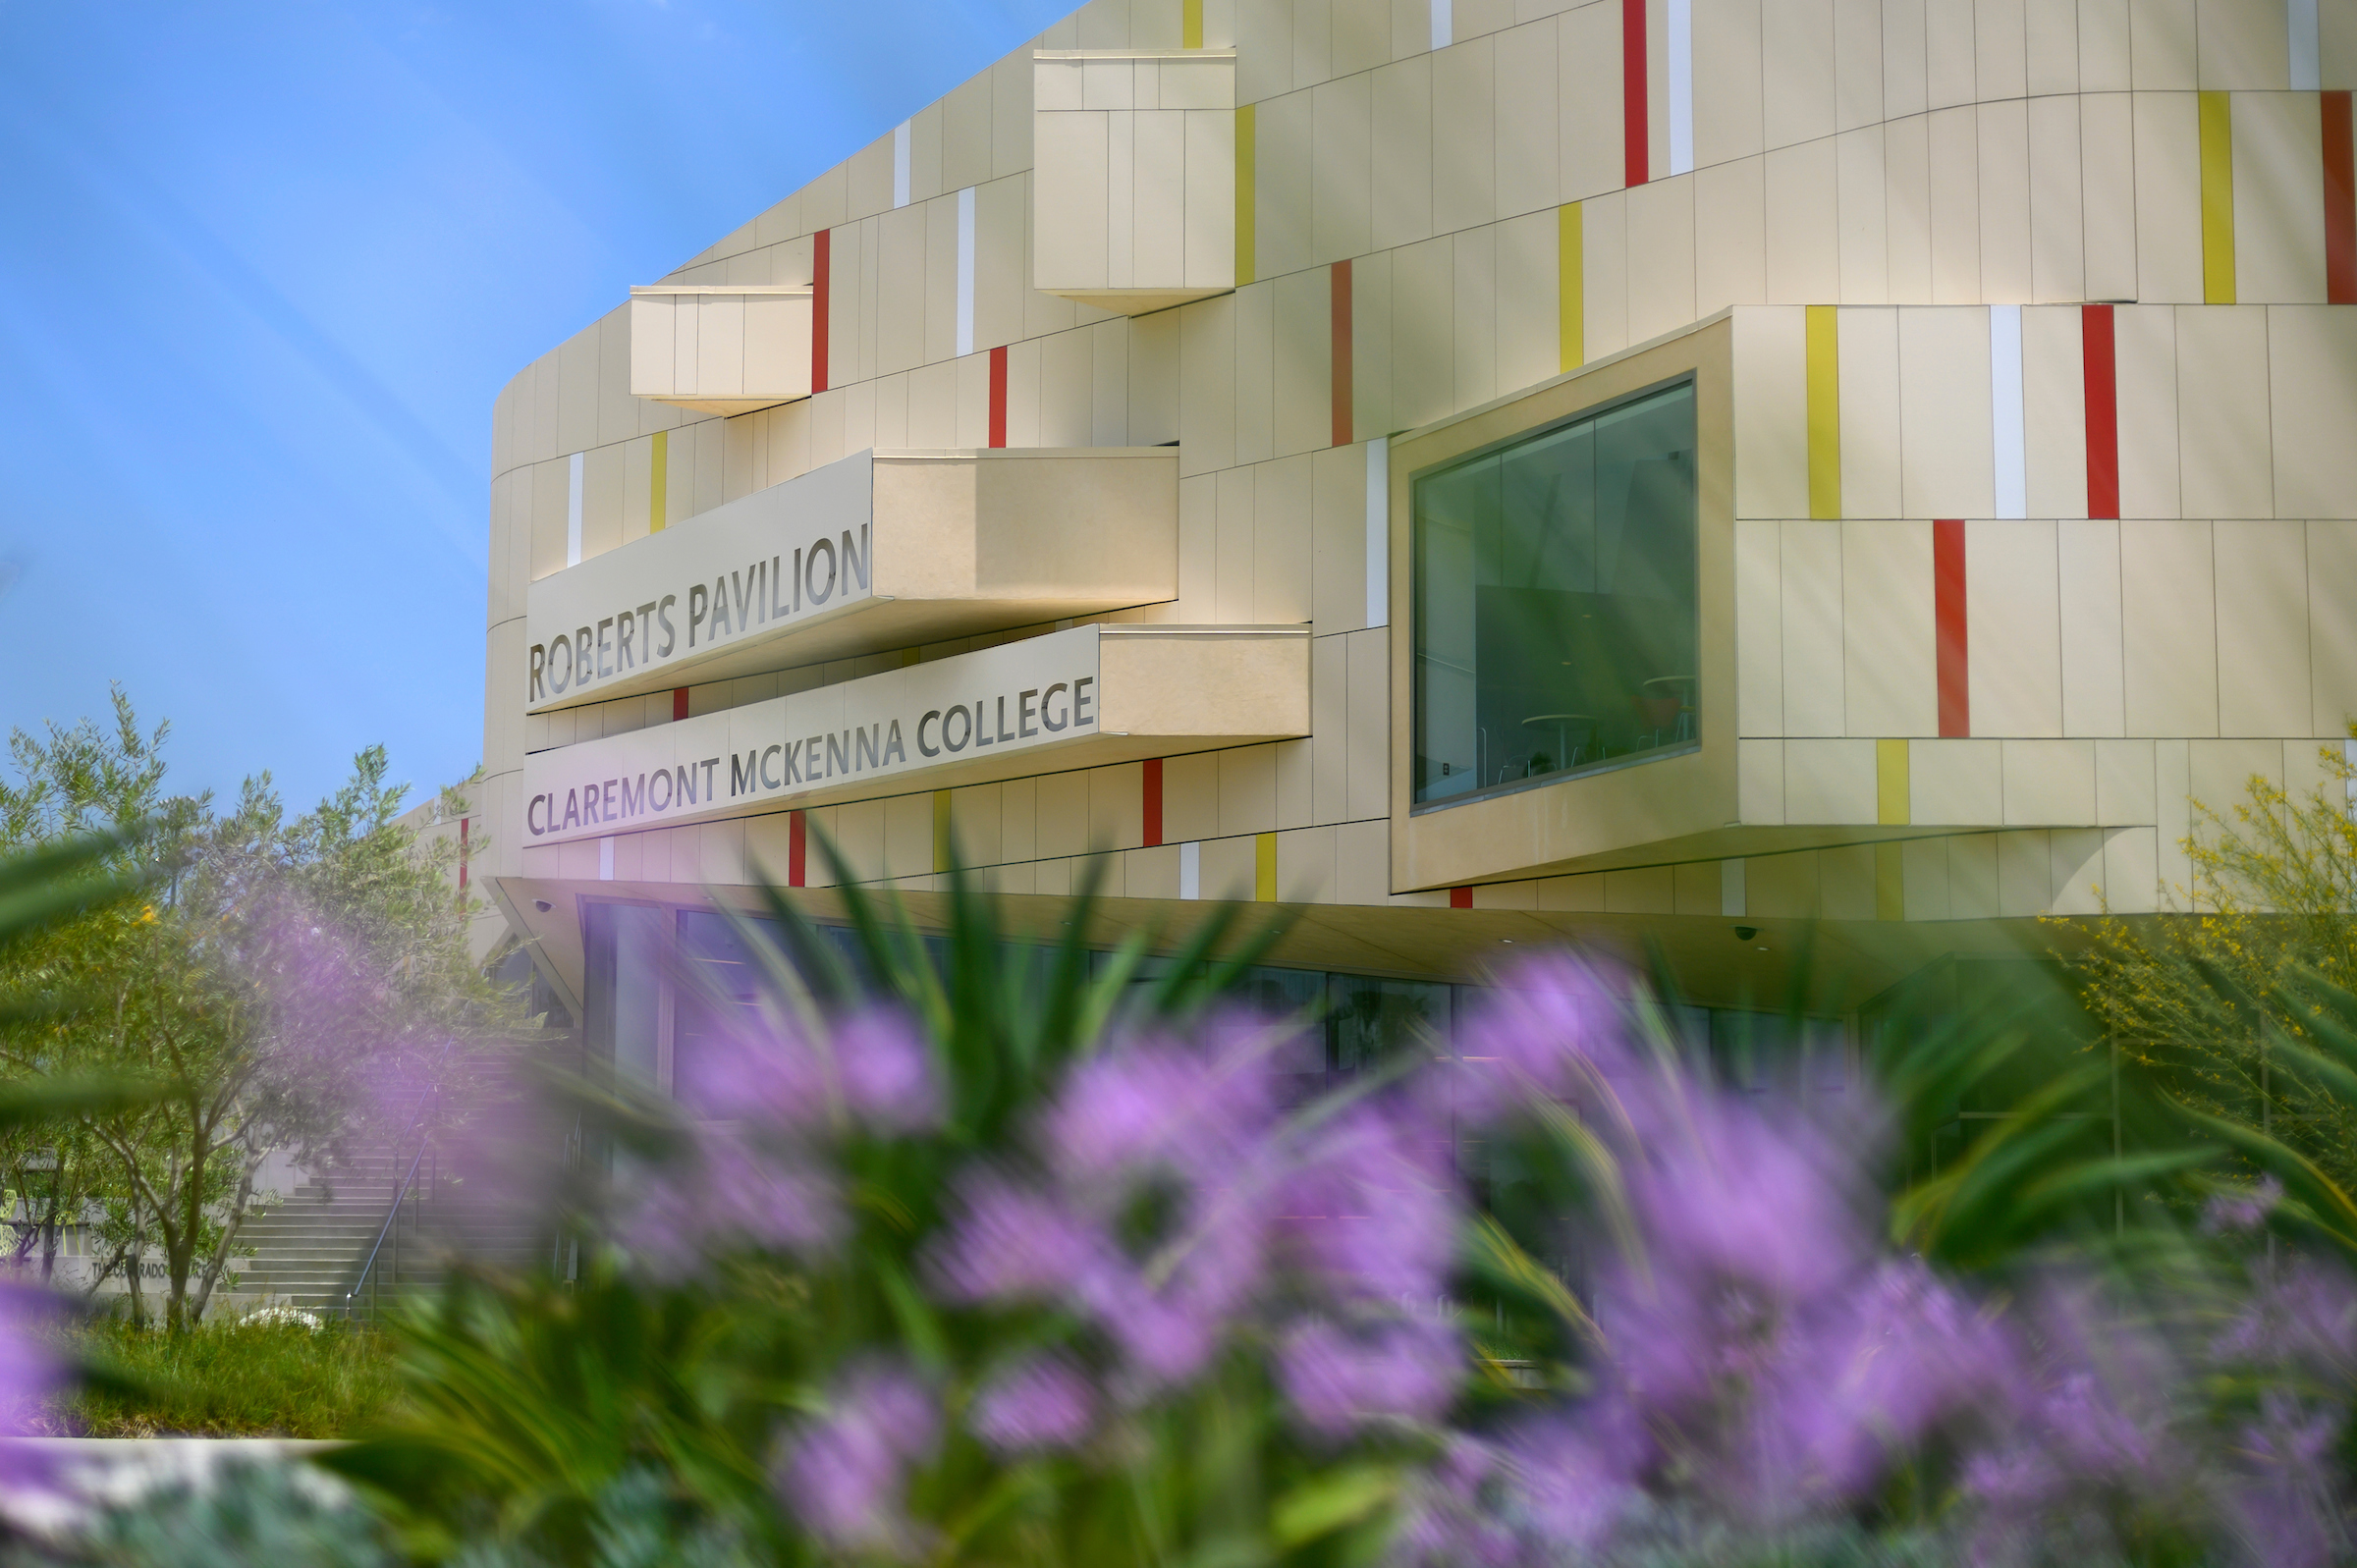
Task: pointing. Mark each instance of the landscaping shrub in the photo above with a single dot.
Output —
(222, 1380)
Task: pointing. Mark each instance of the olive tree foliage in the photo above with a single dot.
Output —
(293, 979)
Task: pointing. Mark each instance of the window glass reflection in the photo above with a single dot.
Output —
(1556, 602)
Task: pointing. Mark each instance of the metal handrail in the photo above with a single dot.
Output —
(400, 1190)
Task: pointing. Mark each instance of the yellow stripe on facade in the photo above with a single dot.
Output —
(1571, 295)
(2218, 198)
(1825, 413)
(1263, 868)
(1190, 24)
(1891, 782)
(941, 830)
(1244, 255)
(656, 486)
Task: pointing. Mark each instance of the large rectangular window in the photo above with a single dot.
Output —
(1557, 602)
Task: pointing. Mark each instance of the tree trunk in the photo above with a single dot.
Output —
(139, 1300)
(239, 1204)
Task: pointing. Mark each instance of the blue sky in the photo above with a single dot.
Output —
(266, 265)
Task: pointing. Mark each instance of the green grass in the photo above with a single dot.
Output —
(223, 1380)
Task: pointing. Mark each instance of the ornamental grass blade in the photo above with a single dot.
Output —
(56, 881)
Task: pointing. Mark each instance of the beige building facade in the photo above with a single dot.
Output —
(1665, 474)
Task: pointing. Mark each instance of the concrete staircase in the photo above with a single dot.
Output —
(467, 1202)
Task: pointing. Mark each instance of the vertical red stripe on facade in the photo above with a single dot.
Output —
(998, 395)
(463, 825)
(2340, 202)
(1340, 290)
(1636, 127)
(679, 703)
(2103, 411)
(1948, 618)
(819, 271)
(796, 848)
(1153, 801)
(1460, 897)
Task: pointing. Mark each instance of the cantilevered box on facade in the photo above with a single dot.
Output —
(721, 349)
(877, 550)
(1079, 698)
(1134, 195)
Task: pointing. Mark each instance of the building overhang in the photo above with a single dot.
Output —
(1821, 966)
(875, 551)
(1625, 815)
(725, 349)
(1081, 698)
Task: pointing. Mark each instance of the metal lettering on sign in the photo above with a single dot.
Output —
(789, 555)
(1023, 695)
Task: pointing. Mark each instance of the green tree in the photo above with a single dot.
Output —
(2222, 1000)
(282, 977)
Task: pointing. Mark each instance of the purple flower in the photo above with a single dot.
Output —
(1450, 1519)
(844, 1475)
(1044, 1403)
(1011, 1244)
(1553, 1029)
(1164, 1341)
(1156, 1104)
(753, 1076)
(886, 1074)
(2303, 1315)
(29, 1370)
(2244, 1209)
(1576, 1479)
(728, 1194)
(1864, 1379)
(1368, 1216)
(1338, 1380)
(2293, 1505)
(1747, 1226)
(873, 1066)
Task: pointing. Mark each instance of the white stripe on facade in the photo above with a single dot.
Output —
(2005, 411)
(1443, 24)
(1680, 46)
(1191, 871)
(573, 511)
(1730, 889)
(1379, 531)
(965, 271)
(605, 860)
(2300, 18)
(899, 164)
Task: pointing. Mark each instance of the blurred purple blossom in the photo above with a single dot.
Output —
(844, 1475)
(1553, 1029)
(726, 1195)
(1368, 1212)
(1158, 1104)
(885, 1072)
(2300, 1315)
(2243, 1208)
(1043, 1403)
(2294, 1508)
(873, 1063)
(1338, 1380)
(1577, 1478)
(29, 1369)
(1449, 1518)
(1011, 1243)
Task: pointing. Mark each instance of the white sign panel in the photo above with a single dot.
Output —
(786, 556)
(1025, 695)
